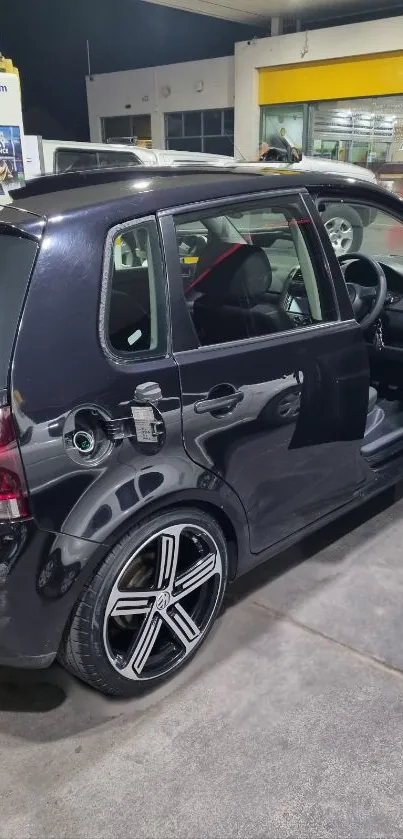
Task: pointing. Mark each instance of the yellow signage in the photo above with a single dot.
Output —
(364, 75)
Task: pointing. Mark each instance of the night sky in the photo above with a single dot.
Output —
(46, 40)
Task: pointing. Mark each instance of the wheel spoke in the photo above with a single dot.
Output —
(196, 576)
(129, 602)
(148, 632)
(182, 625)
(143, 645)
(168, 557)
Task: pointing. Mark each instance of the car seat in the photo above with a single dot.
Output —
(232, 302)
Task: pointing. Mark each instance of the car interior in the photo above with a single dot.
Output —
(132, 304)
(252, 274)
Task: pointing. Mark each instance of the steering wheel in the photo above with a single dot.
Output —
(367, 302)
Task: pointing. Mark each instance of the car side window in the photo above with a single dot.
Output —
(134, 299)
(361, 227)
(250, 270)
(75, 160)
(117, 159)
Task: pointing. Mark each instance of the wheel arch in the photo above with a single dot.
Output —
(230, 519)
(88, 650)
(236, 536)
(222, 515)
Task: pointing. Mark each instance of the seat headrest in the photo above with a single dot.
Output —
(241, 274)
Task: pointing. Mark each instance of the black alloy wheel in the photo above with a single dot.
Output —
(150, 605)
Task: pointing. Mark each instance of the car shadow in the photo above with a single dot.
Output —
(312, 545)
(50, 705)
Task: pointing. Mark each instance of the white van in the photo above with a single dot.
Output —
(344, 223)
(345, 228)
(57, 156)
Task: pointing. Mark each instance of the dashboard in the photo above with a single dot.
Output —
(297, 305)
(296, 302)
(357, 272)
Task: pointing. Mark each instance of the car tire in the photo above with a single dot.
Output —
(345, 228)
(150, 605)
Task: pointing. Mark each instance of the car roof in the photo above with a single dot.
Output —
(76, 145)
(146, 190)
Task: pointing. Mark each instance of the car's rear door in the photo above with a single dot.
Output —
(273, 369)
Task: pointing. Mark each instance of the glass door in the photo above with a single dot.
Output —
(281, 125)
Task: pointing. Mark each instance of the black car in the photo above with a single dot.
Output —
(191, 380)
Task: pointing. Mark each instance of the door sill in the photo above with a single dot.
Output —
(384, 447)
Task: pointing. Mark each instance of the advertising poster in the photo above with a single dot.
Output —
(12, 140)
(11, 162)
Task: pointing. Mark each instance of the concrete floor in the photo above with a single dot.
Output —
(288, 724)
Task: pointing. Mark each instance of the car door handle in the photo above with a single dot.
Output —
(219, 403)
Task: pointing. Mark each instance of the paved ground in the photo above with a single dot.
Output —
(288, 724)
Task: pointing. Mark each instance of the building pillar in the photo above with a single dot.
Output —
(247, 114)
(158, 129)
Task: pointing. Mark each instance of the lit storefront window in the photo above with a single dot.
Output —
(282, 123)
(368, 131)
(363, 131)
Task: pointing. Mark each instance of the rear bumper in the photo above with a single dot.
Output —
(41, 576)
(24, 662)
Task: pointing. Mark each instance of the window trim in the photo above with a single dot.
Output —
(163, 327)
(379, 200)
(337, 197)
(333, 326)
(319, 260)
(206, 203)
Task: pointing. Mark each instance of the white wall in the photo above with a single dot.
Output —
(109, 93)
(226, 80)
(320, 44)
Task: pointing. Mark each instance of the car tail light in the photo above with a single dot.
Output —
(13, 491)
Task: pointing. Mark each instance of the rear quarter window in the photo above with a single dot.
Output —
(134, 297)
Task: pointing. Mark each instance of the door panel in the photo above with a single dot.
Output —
(287, 381)
(287, 471)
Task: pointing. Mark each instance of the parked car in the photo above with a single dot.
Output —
(345, 224)
(59, 156)
(345, 228)
(144, 460)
